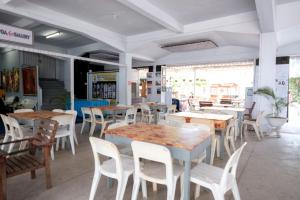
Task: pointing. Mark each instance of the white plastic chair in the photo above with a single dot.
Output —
(218, 180)
(255, 124)
(118, 167)
(8, 135)
(18, 133)
(58, 110)
(65, 129)
(23, 110)
(161, 171)
(86, 116)
(98, 118)
(130, 117)
(147, 115)
(215, 139)
(229, 139)
(170, 110)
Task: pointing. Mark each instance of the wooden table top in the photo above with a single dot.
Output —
(42, 114)
(225, 109)
(186, 138)
(113, 108)
(211, 116)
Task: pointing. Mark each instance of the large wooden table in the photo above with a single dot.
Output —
(184, 144)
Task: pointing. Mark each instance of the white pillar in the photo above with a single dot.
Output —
(266, 70)
(72, 83)
(124, 79)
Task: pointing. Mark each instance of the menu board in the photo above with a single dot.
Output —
(102, 85)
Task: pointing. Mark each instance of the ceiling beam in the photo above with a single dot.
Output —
(145, 8)
(51, 17)
(266, 12)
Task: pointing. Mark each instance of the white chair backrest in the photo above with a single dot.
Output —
(202, 127)
(152, 152)
(171, 109)
(116, 125)
(108, 149)
(5, 123)
(169, 122)
(175, 118)
(86, 111)
(230, 131)
(96, 113)
(23, 110)
(130, 116)
(74, 114)
(58, 110)
(29, 103)
(231, 166)
(145, 109)
(64, 120)
(209, 123)
(15, 128)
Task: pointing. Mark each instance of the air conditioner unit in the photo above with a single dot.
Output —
(193, 45)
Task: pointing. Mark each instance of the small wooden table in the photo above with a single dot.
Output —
(113, 109)
(184, 144)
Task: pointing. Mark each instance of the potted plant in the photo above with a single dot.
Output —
(278, 103)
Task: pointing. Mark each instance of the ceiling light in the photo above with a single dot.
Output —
(53, 35)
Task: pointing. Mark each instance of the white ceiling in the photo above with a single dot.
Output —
(190, 11)
(108, 14)
(140, 27)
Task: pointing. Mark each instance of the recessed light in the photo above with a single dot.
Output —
(53, 35)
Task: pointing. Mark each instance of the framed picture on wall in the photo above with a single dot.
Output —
(29, 75)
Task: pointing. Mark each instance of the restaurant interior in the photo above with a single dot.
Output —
(149, 99)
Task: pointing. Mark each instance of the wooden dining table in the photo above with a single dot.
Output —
(33, 116)
(113, 109)
(184, 144)
(220, 121)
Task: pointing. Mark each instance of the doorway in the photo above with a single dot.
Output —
(294, 91)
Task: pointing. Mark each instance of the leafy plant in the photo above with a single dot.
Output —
(278, 103)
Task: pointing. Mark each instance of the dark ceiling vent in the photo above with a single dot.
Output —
(192, 45)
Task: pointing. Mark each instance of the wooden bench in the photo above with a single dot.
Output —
(23, 161)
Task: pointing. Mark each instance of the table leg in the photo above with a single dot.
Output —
(223, 131)
(186, 181)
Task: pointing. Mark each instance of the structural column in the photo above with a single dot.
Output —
(72, 96)
(266, 73)
(124, 78)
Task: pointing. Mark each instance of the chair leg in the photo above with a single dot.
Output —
(72, 144)
(75, 136)
(144, 189)
(57, 143)
(154, 186)
(52, 153)
(218, 144)
(213, 150)
(102, 129)
(95, 183)
(235, 191)
(226, 141)
(232, 141)
(93, 126)
(217, 194)
(173, 189)
(11, 147)
(82, 127)
(32, 174)
(257, 132)
(121, 187)
(63, 143)
(5, 139)
(197, 191)
(135, 189)
(47, 166)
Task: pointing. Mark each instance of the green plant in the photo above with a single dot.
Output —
(278, 103)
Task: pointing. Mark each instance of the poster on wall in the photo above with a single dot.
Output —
(15, 79)
(102, 85)
(29, 81)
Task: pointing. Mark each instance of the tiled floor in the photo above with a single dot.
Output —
(268, 170)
